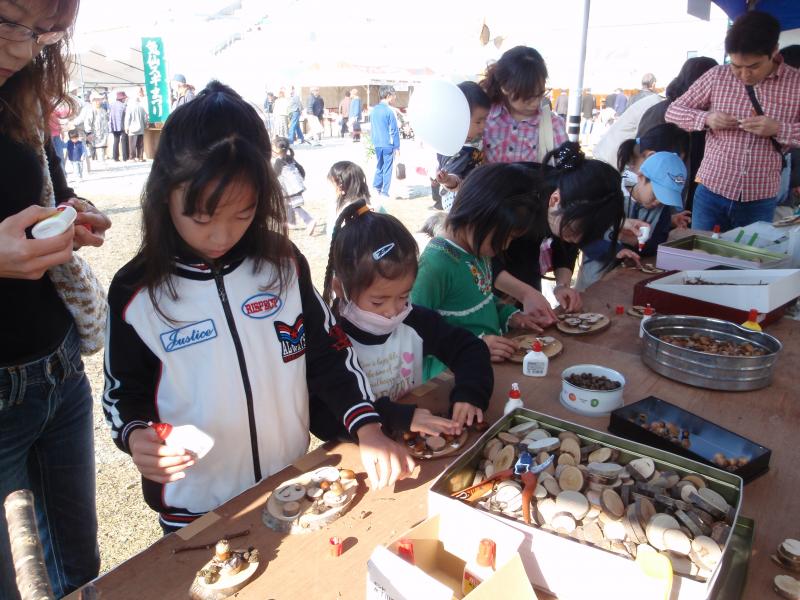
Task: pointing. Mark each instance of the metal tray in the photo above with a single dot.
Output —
(700, 369)
(728, 579)
(723, 252)
(707, 438)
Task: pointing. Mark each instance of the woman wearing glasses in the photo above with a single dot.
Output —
(51, 304)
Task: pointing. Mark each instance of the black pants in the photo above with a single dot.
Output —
(344, 127)
(120, 137)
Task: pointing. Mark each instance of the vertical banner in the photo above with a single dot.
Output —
(155, 78)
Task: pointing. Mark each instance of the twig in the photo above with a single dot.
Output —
(26, 549)
(227, 536)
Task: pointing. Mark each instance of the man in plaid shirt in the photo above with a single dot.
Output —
(741, 169)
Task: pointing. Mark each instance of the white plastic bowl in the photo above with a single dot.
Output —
(591, 403)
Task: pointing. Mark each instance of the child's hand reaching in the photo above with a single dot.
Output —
(448, 180)
(628, 254)
(425, 422)
(465, 413)
(156, 461)
(384, 461)
(520, 320)
(500, 348)
(682, 220)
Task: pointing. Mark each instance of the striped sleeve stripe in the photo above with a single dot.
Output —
(129, 427)
(357, 413)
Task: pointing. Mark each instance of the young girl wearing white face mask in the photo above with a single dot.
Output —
(373, 265)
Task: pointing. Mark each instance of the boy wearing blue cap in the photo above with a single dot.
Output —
(659, 186)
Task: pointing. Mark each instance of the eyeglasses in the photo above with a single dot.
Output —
(14, 32)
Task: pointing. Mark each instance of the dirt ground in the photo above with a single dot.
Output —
(127, 525)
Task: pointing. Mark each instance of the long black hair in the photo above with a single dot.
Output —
(521, 71)
(497, 202)
(349, 178)
(666, 137)
(591, 196)
(215, 141)
(367, 245)
(690, 72)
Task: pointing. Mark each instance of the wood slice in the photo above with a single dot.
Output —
(311, 515)
(552, 486)
(642, 469)
(536, 435)
(508, 438)
(571, 447)
(695, 480)
(680, 564)
(600, 456)
(791, 548)
(574, 503)
(571, 479)
(713, 498)
(677, 541)
(547, 508)
(612, 504)
(787, 587)
(644, 511)
(225, 587)
(705, 552)
(566, 459)
(656, 528)
(447, 449)
(610, 471)
(509, 496)
(544, 445)
(701, 503)
(569, 434)
(491, 448)
(563, 521)
(689, 523)
(524, 343)
(523, 428)
(601, 325)
(614, 531)
(686, 490)
(720, 533)
(593, 534)
(505, 459)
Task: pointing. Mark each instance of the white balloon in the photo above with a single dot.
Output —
(440, 117)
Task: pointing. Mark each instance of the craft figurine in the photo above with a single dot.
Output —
(226, 573)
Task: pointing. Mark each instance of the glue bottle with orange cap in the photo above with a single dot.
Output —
(752, 321)
(479, 569)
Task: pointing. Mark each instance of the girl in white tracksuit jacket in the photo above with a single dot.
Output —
(215, 323)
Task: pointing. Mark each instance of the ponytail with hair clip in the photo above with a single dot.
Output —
(567, 156)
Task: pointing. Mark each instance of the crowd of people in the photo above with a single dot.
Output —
(215, 321)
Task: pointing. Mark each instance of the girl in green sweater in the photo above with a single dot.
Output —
(496, 204)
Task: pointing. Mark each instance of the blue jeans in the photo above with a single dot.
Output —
(294, 127)
(711, 209)
(47, 446)
(383, 171)
(60, 146)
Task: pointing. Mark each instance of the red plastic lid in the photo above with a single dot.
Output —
(753, 315)
(162, 430)
(537, 346)
(620, 309)
(486, 553)
(514, 391)
(717, 228)
(405, 550)
(649, 310)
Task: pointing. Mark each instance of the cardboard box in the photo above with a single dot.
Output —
(442, 545)
(764, 290)
(565, 567)
(701, 252)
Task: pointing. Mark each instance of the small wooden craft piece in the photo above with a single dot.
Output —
(226, 573)
(612, 503)
(787, 587)
(505, 459)
(571, 478)
(551, 347)
(583, 324)
(544, 445)
(523, 428)
(637, 311)
(571, 447)
(433, 446)
(310, 501)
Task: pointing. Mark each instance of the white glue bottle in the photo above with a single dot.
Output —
(648, 312)
(535, 362)
(644, 235)
(514, 399)
(479, 569)
(188, 437)
(715, 232)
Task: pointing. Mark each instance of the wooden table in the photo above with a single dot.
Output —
(299, 567)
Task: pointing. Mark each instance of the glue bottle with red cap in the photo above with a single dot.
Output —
(514, 399)
(188, 437)
(752, 320)
(715, 232)
(649, 311)
(479, 569)
(535, 362)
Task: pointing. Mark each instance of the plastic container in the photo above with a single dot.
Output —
(591, 403)
(514, 399)
(481, 568)
(535, 362)
(188, 437)
(55, 224)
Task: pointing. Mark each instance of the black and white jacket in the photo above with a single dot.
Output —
(393, 365)
(234, 360)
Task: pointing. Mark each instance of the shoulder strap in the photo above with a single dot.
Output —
(751, 93)
(546, 138)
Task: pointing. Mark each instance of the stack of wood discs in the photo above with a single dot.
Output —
(591, 496)
(788, 555)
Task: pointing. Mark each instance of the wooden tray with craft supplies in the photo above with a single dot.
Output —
(310, 501)
(582, 323)
(657, 423)
(425, 446)
(709, 353)
(613, 494)
(551, 346)
(228, 571)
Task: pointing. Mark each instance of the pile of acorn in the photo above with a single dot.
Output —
(587, 381)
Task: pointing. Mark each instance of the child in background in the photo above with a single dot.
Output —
(75, 153)
(453, 169)
(519, 127)
(350, 185)
(658, 188)
(291, 176)
(215, 323)
(495, 204)
(374, 259)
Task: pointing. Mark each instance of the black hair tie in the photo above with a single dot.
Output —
(569, 156)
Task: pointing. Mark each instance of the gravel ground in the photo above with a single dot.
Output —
(127, 525)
